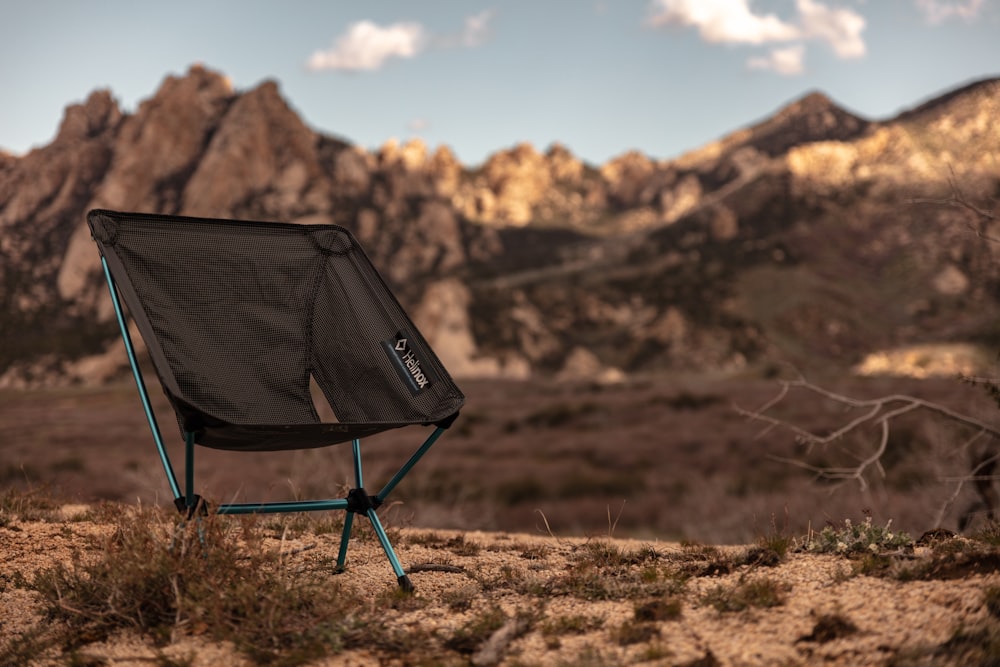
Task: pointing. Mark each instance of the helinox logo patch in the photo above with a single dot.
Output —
(407, 363)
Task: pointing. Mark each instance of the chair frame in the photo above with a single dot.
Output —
(189, 503)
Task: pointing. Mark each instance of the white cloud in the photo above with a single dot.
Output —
(477, 28)
(735, 22)
(839, 27)
(729, 21)
(418, 125)
(787, 61)
(366, 46)
(936, 11)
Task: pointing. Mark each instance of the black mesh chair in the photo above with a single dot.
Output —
(239, 317)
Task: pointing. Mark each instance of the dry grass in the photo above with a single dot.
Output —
(177, 587)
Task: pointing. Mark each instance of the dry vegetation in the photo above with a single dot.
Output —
(663, 458)
(112, 585)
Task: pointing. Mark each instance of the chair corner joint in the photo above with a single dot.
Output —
(359, 501)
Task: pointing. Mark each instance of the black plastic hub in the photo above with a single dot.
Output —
(360, 502)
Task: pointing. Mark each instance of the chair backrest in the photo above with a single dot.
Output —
(239, 315)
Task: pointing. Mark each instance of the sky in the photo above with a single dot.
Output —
(600, 77)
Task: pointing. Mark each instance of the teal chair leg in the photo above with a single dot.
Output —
(344, 539)
(404, 581)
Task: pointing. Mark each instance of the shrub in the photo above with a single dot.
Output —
(213, 576)
(850, 538)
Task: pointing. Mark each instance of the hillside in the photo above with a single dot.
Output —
(793, 239)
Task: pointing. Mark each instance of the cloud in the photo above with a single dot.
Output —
(840, 28)
(477, 28)
(937, 11)
(366, 46)
(787, 61)
(726, 21)
(734, 22)
(418, 125)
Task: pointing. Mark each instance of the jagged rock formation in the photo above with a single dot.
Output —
(792, 239)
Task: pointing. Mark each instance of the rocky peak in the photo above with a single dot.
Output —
(965, 101)
(160, 144)
(516, 179)
(446, 171)
(89, 119)
(954, 134)
(7, 160)
(411, 155)
(260, 150)
(811, 118)
(563, 165)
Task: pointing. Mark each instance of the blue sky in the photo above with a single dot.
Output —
(599, 76)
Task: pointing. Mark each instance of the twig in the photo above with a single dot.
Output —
(614, 524)
(879, 411)
(435, 567)
(973, 476)
(298, 550)
(959, 200)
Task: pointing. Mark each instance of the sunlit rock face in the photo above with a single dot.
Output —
(812, 236)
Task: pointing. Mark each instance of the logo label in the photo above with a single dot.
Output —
(407, 363)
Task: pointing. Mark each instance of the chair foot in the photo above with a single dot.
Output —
(405, 584)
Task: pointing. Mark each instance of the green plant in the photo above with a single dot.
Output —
(856, 538)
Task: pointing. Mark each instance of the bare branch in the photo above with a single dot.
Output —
(960, 201)
(960, 482)
(879, 411)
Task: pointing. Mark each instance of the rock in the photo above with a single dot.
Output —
(951, 281)
(678, 201)
(446, 171)
(260, 150)
(627, 176)
(443, 318)
(351, 172)
(582, 365)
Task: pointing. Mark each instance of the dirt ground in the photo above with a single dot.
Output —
(579, 601)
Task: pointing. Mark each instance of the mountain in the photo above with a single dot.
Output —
(796, 238)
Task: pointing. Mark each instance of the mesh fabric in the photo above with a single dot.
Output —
(238, 315)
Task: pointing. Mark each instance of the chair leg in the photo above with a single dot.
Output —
(404, 581)
(358, 501)
(344, 539)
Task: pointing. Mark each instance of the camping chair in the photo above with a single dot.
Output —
(237, 317)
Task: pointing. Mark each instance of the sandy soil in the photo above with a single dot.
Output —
(828, 613)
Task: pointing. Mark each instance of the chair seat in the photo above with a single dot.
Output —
(280, 437)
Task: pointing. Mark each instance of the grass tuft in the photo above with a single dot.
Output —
(161, 577)
(759, 592)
